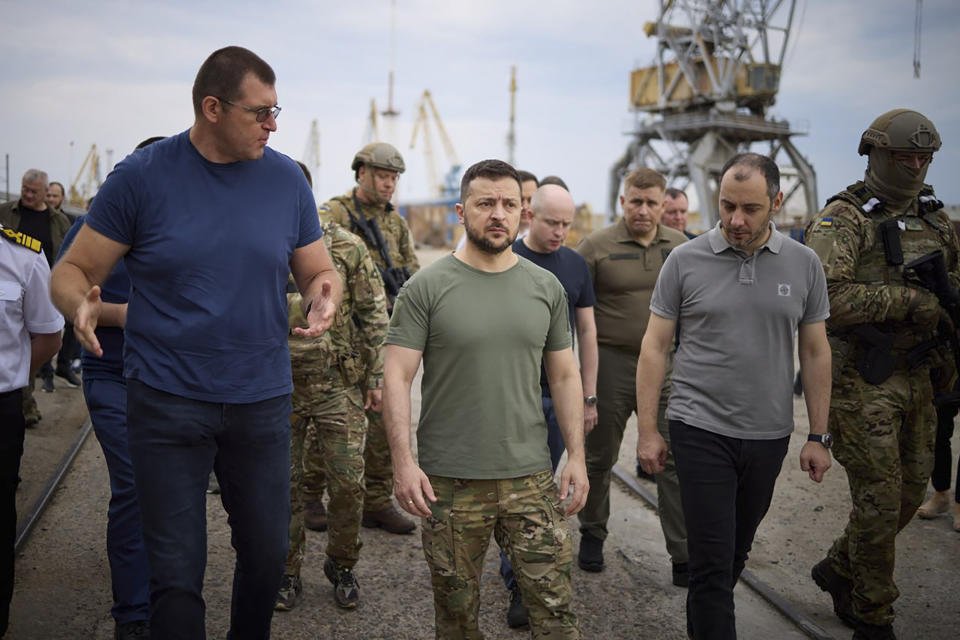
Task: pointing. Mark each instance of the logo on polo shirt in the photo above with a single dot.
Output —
(783, 289)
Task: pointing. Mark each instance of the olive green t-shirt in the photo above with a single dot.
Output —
(483, 336)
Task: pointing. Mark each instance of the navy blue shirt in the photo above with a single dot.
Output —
(571, 270)
(115, 289)
(210, 249)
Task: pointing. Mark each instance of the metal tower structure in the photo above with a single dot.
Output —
(311, 155)
(715, 74)
(450, 184)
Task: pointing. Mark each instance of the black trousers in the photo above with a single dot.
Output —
(942, 455)
(726, 485)
(12, 427)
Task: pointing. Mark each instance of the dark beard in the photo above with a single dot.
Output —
(480, 242)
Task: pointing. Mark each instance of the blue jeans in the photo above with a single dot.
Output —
(174, 444)
(556, 446)
(129, 569)
(726, 485)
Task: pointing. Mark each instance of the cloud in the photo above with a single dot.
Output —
(114, 72)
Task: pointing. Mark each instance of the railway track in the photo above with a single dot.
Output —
(799, 619)
(35, 511)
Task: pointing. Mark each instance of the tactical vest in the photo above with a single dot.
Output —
(898, 238)
(332, 356)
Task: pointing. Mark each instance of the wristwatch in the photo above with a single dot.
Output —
(825, 439)
(590, 401)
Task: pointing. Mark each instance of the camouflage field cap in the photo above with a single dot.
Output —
(900, 130)
(380, 155)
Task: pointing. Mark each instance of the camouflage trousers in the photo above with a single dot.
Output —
(329, 433)
(884, 439)
(377, 466)
(527, 523)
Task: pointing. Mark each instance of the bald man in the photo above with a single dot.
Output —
(550, 216)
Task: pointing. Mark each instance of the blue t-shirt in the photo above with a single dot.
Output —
(210, 249)
(115, 289)
(571, 270)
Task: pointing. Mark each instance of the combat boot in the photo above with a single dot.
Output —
(69, 376)
(289, 593)
(346, 590)
(864, 631)
(938, 503)
(839, 589)
(388, 519)
(517, 615)
(590, 557)
(315, 516)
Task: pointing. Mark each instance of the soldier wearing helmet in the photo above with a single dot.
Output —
(887, 335)
(366, 211)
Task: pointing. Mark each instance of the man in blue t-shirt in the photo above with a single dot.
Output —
(550, 217)
(209, 223)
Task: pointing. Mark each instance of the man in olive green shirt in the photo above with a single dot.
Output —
(624, 261)
(481, 320)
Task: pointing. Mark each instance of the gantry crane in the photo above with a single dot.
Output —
(448, 186)
(715, 74)
(88, 180)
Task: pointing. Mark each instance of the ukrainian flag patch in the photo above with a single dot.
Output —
(826, 222)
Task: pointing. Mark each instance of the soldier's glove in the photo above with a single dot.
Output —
(925, 310)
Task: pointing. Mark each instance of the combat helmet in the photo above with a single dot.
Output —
(380, 155)
(900, 130)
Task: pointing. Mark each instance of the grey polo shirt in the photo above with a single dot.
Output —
(733, 369)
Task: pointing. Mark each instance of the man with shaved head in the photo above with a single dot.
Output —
(549, 218)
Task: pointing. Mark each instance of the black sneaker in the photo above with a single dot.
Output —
(136, 630)
(681, 574)
(517, 616)
(48, 384)
(590, 557)
(289, 593)
(67, 374)
(864, 631)
(839, 589)
(346, 591)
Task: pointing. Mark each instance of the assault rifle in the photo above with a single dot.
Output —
(930, 272)
(393, 276)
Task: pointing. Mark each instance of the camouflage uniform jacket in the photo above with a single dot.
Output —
(351, 351)
(392, 226)
(863, 287)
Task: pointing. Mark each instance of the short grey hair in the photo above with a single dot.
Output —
(35, 175)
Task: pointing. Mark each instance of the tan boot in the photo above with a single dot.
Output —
(938, 503)
(388, 519)
(315, 516)
(956, 516)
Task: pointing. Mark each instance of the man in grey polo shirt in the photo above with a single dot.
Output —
(738, 292)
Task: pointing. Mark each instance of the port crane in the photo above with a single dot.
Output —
(706, 96)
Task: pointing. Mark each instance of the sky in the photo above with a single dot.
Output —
(112, 73)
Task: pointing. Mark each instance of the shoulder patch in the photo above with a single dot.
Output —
(826, 222)
(22, 239)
